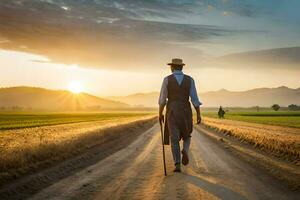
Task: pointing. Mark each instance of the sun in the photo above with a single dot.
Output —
(75, 87)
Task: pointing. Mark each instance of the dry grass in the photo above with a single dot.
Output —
(24, 150)
(282, 142)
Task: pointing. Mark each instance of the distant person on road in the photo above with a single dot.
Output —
(221, 112)
(176, 91)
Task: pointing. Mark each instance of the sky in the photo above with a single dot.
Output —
(121, 47)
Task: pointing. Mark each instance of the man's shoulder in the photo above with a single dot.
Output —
(167, 77)
(172, 75)
(188, 76)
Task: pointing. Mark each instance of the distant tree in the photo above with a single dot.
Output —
(275, 107)
(17, 108)
(257, 108)
(2, 108)
(293, 107)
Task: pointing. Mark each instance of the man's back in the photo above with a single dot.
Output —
(176, 91)
(179, 76)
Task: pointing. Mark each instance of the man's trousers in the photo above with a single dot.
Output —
(175, 137)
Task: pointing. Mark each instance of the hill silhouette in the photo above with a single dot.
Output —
(44, 99)
(139, 99)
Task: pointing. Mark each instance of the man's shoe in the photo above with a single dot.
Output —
(185, 157)
(177, 168)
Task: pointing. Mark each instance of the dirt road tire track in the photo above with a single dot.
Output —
(136, 172)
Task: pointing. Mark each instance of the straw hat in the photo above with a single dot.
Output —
(176, 61)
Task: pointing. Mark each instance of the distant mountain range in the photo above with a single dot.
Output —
(283, 96)
(26, 98)
(139, 99)
(18, 98)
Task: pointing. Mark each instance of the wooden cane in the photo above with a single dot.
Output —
(163, 146)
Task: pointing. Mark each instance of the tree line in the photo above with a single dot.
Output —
(292, 107)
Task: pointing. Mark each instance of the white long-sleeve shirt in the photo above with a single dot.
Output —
(179, 77)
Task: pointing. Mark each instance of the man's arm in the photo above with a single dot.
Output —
(198, 114)
(162, 99)
(195, 100)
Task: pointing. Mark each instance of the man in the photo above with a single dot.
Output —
(221, 112)
(176, 91)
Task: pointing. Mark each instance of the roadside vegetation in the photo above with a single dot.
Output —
(25, 150)
(282, 142)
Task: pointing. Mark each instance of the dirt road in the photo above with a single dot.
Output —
(136, 173)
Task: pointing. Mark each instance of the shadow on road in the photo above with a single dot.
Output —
(214, 189)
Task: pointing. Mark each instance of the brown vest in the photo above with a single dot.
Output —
(178, 92)
(178, 104)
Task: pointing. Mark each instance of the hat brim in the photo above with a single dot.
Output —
(176, 64)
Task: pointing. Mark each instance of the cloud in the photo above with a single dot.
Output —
(247, 11)
(279, 58)
(210, 8)
(100, 34)
(225, 1)
(227, 13)
(115, 34)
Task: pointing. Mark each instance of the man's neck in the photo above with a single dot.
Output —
(177, 72)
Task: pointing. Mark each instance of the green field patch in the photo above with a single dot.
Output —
(280, 118)
(268, 113)
(26, 120)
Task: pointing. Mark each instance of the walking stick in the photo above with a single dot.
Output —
(162, 129)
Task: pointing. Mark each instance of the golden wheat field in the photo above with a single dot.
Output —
(282, 142)
(28, 148)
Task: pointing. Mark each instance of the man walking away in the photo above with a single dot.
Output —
(176, 91)
(221, 112)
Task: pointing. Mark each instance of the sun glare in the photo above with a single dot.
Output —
(75, 87)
